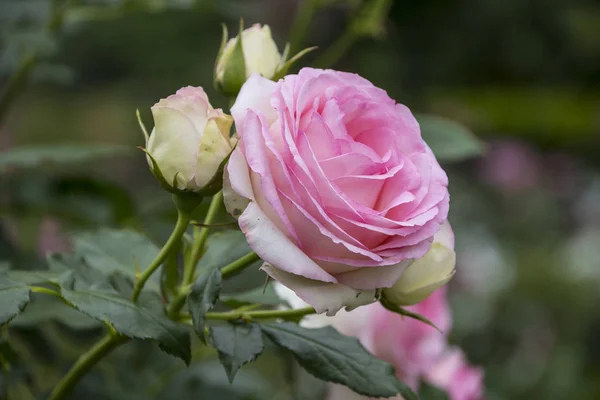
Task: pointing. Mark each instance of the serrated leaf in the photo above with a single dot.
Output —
(33, 277)
(111, 250)
(202, 298)
(132, 320)
(237, 344)
(33, 156)
(333, 357)
(52, 309)
(14, 297)
(449, 140)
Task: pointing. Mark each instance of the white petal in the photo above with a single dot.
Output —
(174, 144)
(255, 95)
(324, 297)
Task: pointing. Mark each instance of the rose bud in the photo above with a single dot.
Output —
(426, 274)
(190, 142)
(254, 51)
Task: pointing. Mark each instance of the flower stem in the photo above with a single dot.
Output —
(293, 315)
(85, 362)
(183, 220)
(189, 270)
(200, 236)
(239, 265)
(304, 15)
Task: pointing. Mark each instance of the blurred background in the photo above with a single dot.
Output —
(523, 76)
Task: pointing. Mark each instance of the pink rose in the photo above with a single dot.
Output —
(334, 187)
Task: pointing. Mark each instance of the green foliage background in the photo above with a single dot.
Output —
(524, 76)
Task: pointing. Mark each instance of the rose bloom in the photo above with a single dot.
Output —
(334, 187)
(417, 351)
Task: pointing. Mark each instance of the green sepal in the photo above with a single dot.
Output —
(142, 126)
(224, 40)
(155, 169)
(234, 72)
(186, 198)
(283, 69)
(404, 312)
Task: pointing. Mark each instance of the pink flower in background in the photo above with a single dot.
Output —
(417, 351)
(454, 374)
(511, 166)
(334, 187)
(411, 346)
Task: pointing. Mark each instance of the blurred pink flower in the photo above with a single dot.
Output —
(51, 237)
(511, 166)
(453, 374)
(417, 351)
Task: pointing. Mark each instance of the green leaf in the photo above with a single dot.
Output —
(52, 309)
(14, 297)
(34, 277)
(266, 296)
(333, 357)
(449, 140)
(204, 295)
(237, 344)
(225, 247)
(33, 156)
(429, 392)
(140, 321)
(110, 251)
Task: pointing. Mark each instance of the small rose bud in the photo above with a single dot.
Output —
(190, 142)
(254, 51)
(426, 274)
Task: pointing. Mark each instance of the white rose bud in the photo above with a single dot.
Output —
(254, 51)
(189, 143)
(426, 274)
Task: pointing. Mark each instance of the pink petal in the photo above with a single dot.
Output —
(276, 248)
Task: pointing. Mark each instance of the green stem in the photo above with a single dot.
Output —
(183, 220)
(189, 269)
(304, 16)
(293, 315)
(336, 50)
(200, 236)
(85, 362)
(239, 265)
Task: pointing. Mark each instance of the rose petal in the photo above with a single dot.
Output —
(277, 249)
(255, 95)
(374, 277)
(324, 297)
